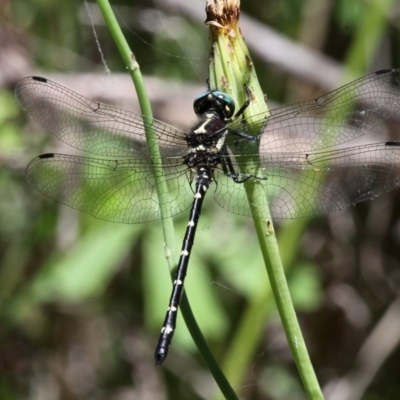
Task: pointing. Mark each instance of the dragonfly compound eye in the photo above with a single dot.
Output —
(214, 101)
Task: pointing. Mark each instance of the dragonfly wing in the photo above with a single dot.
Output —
(92, 126)
(112, 190)
(297, 185)
(338, 117)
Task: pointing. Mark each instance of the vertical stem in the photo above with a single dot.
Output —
(133, 68)
(231, 69)
(273, 263)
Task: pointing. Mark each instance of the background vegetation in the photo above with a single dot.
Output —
(82, 300)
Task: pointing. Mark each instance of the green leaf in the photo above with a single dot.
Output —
(88, 267)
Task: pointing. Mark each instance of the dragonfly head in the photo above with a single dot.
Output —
(214, 102)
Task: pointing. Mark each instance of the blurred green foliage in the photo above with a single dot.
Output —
(81, 300)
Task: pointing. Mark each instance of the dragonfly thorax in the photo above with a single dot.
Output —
(205, 141)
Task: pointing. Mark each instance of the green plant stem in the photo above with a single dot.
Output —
(162, 190)
(132, 65)
(216, 371)
(273, 263)
(244, 343)
(231, 69)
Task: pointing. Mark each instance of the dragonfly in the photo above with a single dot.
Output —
(308, 158)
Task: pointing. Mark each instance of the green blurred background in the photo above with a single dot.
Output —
(82, 300)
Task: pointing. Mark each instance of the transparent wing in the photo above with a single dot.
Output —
(337, 117)
(92, 126)
(302, 173)
(112, 190)
(301, 185)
